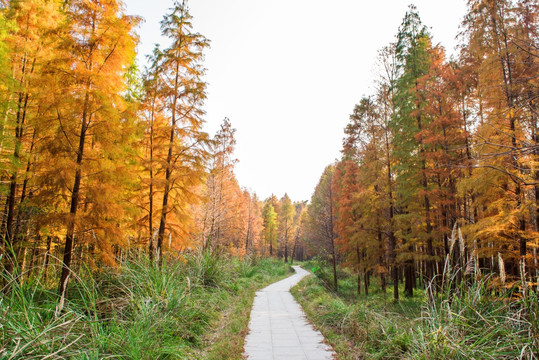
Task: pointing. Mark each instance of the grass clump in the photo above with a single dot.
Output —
(135, 311)
(476, 320)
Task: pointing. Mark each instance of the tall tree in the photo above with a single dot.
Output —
(321, 221)
(270, 225)
(287, 213)
(184, 92)
(415, 217)
(88, 103)
(35, 28)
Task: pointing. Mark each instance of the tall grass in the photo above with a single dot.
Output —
(476, 316)
(478, 323)
(136, 311)
(472, 319)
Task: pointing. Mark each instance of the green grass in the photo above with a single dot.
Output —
(359, 327)
(188, 309)
(469, 322)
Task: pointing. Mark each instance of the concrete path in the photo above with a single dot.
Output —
(278, 328)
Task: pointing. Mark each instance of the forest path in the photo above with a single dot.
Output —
(278, 328)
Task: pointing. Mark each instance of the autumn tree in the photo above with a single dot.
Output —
(321, 212)
(415, 208)
(33, 43)
(219, 186)
(287, 213)
(501, 55)
(184, 92)
(270, 225)
(87, 104)
(253, 218)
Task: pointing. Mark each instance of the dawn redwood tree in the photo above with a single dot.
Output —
(346, 189)
(155, 135)
(85, 154)
(219, 186)
(322, 217)
(415, 217)
(500, 46)
(33, 42)
(269, 225)
(184, 92)
(287, 213)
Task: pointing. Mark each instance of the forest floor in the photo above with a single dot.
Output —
(477, 324)
(194, 308)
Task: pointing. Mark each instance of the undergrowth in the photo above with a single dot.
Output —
(135, 311)
(472, 321)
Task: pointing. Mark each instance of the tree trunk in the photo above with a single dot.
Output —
(409, 274)
(47, 258)
(366, 282)
(168, 171)
(75, 196)
(286, 241)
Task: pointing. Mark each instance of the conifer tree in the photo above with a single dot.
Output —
(88, 103)
(321, 221)
(184, 92)
(287, 213)
(270, 225)
(33, 43)
(415, 218)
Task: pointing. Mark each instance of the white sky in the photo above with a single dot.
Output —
(288, 73)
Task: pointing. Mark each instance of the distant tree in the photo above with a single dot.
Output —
(287, 213)
(322, 216)
(270, 225)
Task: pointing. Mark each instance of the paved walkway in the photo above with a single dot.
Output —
(278, 328)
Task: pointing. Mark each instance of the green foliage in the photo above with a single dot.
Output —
(270, 223)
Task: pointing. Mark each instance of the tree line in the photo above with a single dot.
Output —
(439, 163)
(98, 157)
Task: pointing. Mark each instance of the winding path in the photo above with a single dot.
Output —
(278, 328)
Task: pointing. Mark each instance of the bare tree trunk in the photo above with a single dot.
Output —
(358, 253)
(47, 258)
(75, 197)
(248, 234)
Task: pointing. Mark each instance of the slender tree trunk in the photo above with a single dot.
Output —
(391, 238)
(366, 282)
(295, 246)
(286, 241)
(248, 234)
(168, 171)
(75, 197)
(150, 196)
(409, 274)
(358, 254)
(164, 211)
(381, 261)
(47, 258)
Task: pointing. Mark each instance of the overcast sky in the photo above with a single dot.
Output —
(288, 73)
